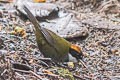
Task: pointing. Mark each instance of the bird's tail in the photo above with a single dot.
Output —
(44, 31)
(31, 17)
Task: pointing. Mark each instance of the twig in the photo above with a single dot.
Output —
(46, 59)
(4, 72)
(36, 75)
(76, 76)
(52, 75)
(29, 72)
(20, 70)
(83, 64)
(43, 63)
(20, 75)
(105, 5)
(86, 67)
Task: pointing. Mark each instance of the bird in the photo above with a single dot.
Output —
(42, 11)
(53, 46)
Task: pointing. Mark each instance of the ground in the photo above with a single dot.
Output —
(20, 58)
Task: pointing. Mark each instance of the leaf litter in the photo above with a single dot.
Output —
(19, 57)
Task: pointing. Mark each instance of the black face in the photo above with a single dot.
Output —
(75, 53)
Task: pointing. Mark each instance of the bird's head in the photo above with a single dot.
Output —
(76, 51)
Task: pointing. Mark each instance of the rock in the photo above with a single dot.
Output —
(12, 47)
(3, 52)
(67, 26)
(41, 11)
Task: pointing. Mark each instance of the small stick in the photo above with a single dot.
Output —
(29, 72)
(83, 64)
(20, 70)
(78, 77)
(4, 72)
(36, 75)
(42, 62)
(46, 59)
(20, 75)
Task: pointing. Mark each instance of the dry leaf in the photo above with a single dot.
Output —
(71, 64)
(14, 56)
(114, 50)
(46, 71)
(38, 1)
(31, 61)
(19, 31)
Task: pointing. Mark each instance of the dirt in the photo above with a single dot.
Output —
(101, 44)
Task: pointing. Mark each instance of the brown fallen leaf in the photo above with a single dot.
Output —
(19, 31)
(38, 1)
(48, 72)
(31, 61)
(114, 50)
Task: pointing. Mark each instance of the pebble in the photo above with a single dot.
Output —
(12, 46)
(3, 52)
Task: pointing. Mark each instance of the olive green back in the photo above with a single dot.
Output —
(59, 49)
(50, 44)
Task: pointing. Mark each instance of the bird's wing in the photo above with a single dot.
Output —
(44, 31)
